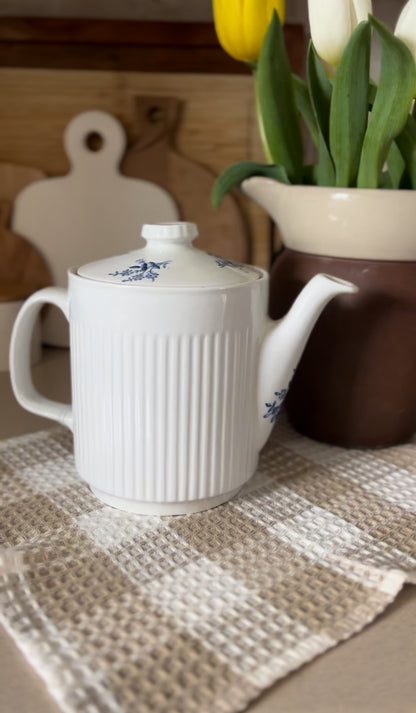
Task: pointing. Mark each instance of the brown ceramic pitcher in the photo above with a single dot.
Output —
(356, 382)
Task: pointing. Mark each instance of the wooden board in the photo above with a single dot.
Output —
(153, 158)
(51, 69)
(13, 178)
(23, 269)
(91, 212)
(217, 127)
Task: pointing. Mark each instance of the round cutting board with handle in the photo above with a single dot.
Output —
(153, 157)
(13, 178)
(23, 269)
(93, 211)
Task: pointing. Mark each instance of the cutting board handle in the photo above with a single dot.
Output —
(80, 134)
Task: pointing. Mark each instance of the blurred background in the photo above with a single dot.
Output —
(187, 111)
(165, 10)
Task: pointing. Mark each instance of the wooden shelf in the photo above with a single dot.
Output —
(125, 45)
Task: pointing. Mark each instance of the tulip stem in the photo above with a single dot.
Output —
(262, 133)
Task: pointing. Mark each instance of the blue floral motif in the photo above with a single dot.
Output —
(142, 270)
(224, 262)
(274, 408)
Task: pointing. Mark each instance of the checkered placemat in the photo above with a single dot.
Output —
(121, 613)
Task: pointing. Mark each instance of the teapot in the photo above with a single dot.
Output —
(177, 372)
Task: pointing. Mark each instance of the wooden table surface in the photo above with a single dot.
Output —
(374, 672)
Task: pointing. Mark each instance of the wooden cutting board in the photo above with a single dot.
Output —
(13, 178)
(91, 212)
(153, 158)
(23, 270)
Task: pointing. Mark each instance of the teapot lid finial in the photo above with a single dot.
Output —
(179, 232)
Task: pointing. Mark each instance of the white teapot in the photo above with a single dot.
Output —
(177, 372)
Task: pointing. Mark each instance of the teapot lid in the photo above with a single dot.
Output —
(169, 259)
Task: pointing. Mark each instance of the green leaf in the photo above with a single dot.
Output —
(349, 106)
(313, 176)
(391, 106)
(280, 123)
(396, 166)
(304, 105)
(324, 174)
(325, 171)
(235, 174)
(385, 180)
(320, 89)
(372, 93)
(406, 143)
(309, 175)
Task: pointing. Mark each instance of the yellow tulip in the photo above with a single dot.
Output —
(241, 25)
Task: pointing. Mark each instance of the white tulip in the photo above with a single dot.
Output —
(361, 9)
(332, 23)
(406, 26)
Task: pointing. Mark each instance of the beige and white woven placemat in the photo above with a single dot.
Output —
(124, 614)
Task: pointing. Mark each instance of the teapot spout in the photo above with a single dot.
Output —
(284, 342)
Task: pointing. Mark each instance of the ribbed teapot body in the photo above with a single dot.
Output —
(164, 391)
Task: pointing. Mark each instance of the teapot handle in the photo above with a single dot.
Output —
(20, 366)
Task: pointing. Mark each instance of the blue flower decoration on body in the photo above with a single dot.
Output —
(142, 270)
(274, 408)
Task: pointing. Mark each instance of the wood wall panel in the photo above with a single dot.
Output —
(217, 127)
